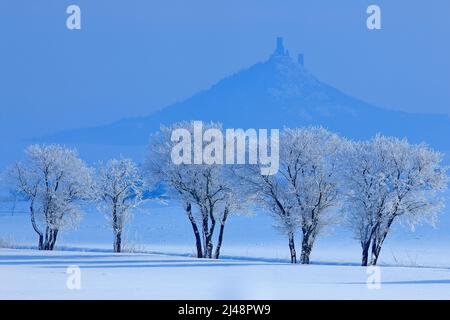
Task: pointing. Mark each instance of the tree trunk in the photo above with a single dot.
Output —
(304, 257)
(309, 236)
(36, 229)
(365, 253)
(54, 235)
(117, 228)
(292, 248)
(41, 242)
(47, 238)
(376, 249)
(306, 248)
(211, 232)
(374, 259)
(210, 244)
(208, 234)
(378, 241)
(205, 223)
(222, 228)
(118, 241)
(198, 241)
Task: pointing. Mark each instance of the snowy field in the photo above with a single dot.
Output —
(28, 274)
(414, 265)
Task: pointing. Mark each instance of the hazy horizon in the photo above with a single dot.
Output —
(132, 58)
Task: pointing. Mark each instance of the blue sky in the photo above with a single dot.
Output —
(133, 57)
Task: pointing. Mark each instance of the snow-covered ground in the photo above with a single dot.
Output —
(414, 265)
(28, 274)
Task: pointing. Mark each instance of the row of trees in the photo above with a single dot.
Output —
(56, 183)
(323, 179)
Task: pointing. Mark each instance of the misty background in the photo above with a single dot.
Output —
(134, 57)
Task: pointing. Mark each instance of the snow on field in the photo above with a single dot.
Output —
(166, 229)
(254, 265)
(29, 274)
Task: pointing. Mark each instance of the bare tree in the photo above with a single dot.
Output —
(54, 181)
(389, 179)
(119, 189)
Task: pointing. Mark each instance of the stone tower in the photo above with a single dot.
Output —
(280, 51)
(301, 59)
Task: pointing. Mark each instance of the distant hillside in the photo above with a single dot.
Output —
(276, 93)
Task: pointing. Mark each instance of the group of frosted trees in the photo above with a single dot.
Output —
(323, 179)
(57, 183)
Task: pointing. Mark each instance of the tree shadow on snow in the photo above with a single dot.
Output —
(442, 281)
(167, 265)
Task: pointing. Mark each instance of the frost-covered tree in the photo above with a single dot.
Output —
(236, 200)
(119, 189)
(55, 181)
(272, 193)
(305, 190)
(205, 190)
(387, 179)
(309, 163)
